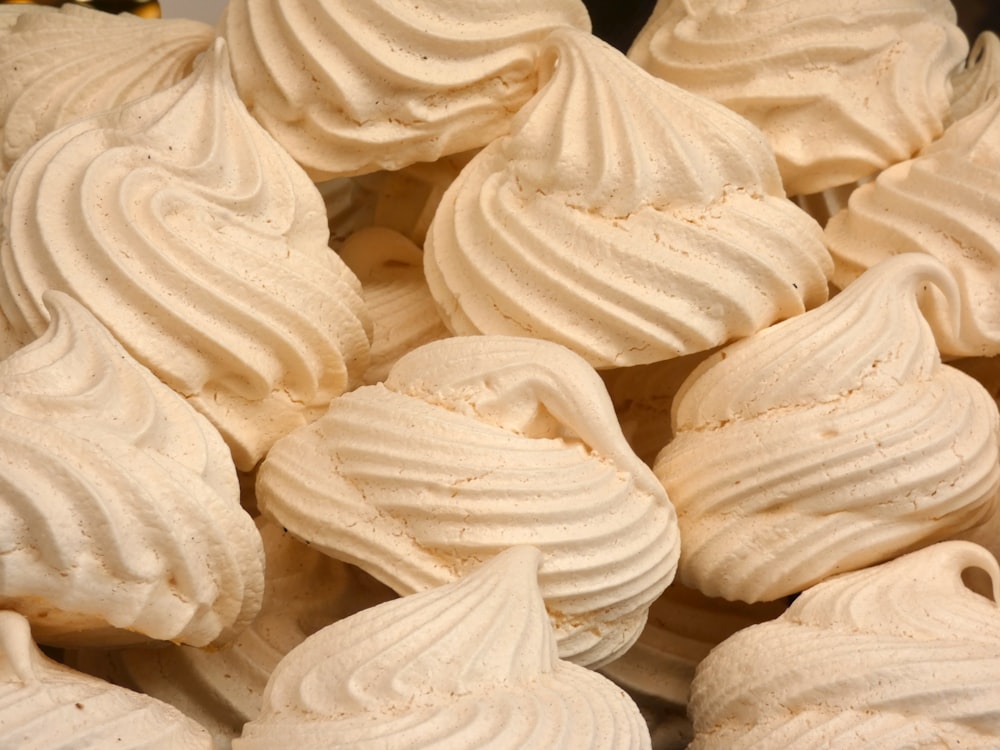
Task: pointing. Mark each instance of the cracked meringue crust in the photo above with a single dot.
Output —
(829, 442)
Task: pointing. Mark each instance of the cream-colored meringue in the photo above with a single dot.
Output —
(829, 442)
(471, 664)
(68, 63)
(119, 505)
(841, 90)
(972, 84)
(353, 87)
(223, 688)
(472, 445)
(624, 218)
(944, 202)
(201, 245)
(404, 316)
(47, 706)
(903, 655)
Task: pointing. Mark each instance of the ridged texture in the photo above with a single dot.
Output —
(944, 203)
(353, 87)
(471, 664)
(119, 506)
(64, 64)
(903, 655)
(683, 626)
(971, 85)
(829, 442)
(655, 230)
(47, 706)
(472, 445)
(188, 231)
(403, 313)
(223, 688)
(841, 90)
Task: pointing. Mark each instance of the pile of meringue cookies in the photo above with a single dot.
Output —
(430, 374)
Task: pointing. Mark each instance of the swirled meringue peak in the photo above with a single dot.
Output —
(945, 203)
(902, 655)
(841, 90)
(47, 706)
(354, 86)
(201, 245)
(656, 229)
(470, 664)
(472, 445)
(72, 62)
(119, 504)
(829, 442)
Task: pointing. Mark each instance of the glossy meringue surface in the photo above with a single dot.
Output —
(471, 445)
(47, 706)
(353, 87)
(199, 243)
(470, 664)
(842, 90)
(63, 64)
(120, 505)
(944, 202)
(829, 442)
(657, 229)
(900, 655)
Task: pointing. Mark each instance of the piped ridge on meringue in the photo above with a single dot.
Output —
(120, 506)
(472, 663)
(829, 442)
(471, 445)
(201, 245)
(657, 229)
(904, 654)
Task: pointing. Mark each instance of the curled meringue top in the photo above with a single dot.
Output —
(471, 445)
(45, 705)
(404, 316)
(120, 504)
(469, 664)
(67, 63)
(945, 203)
(971, 85)
(201, 245)
(656, 229)
(899, 655)
(351, 86)
(841, 90)
(829, 442)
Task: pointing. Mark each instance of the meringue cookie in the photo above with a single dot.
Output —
(471, 664)
(201, 245)
(944, 202)
(971, 85)
(656, 230)
(840, 90)
(902, 655)
(75, 61)
(119, 503)
(829, 442)
(223, 688)
(47, 706)
(404, 316)
(354, 87)
(472, 445)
